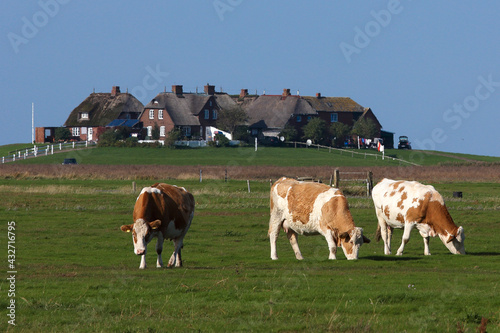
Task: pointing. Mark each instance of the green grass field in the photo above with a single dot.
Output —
(277, 156)
(76, 271)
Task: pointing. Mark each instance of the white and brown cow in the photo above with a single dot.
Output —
(408, 205)
(307, 208)
(163, 211)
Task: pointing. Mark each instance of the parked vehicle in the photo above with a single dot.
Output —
(404, 143)
(69, 161)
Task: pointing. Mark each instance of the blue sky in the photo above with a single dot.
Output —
(428, 69)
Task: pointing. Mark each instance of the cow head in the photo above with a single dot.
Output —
(351, 242)
(142, 233)
(455, 243)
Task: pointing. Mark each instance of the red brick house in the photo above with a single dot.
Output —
(269, 114)
(192, 113)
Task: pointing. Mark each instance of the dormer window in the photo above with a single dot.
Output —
(84, 115)
(155, 101)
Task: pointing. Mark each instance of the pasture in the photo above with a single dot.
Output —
(76, 271)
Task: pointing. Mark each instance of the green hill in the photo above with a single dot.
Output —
(277, 156)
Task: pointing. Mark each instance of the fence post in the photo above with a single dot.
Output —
(201, 177)
(133, 187)
(225, 176)
(248, 185)
(14, 158)
(369, 182)
(336, 178)
(60, 145)
(331, 180)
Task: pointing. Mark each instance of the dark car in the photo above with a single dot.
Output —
(69, 161)
(404, 143)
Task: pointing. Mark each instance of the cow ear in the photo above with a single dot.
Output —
(127, 227)
(366, 239)
(155, 224)
(344, 236)
(450, 238)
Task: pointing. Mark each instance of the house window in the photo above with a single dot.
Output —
(162, 130)
(160, 114)
(75, 131)
(150, 131)
(299, 119)
(84, 115)
(214, 114)
(334, 117)
(151, 114)
(308, 118)
(207, 114)
(255, 132)
(186, 130)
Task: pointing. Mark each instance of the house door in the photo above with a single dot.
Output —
(89, 134)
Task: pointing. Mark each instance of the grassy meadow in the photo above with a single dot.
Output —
(76, 271)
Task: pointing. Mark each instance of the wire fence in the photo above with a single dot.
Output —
(351, 152)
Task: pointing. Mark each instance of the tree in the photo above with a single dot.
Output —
(315, 130)
(289, 133)
(62, 134)
(365, 128)
(230, 118)
(155, 133)
(172, 136)
(339, 131)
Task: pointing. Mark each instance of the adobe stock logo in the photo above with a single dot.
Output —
(30, 28)
(363, 37)
(458, 112)
(223, 6)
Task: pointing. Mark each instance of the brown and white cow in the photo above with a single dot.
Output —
(408, 205)
(307, 208)
(163, 211)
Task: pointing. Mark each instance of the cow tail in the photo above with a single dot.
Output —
(378, 234)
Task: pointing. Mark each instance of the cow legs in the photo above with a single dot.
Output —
(292, 237)
(406, 237)
(159, 249)
(143, 262)
(385, 232)
(331, 245)
(274, 230)
(175, 259)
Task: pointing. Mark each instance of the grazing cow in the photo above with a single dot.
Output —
(163, 211)
(405, 204)
(310, 209)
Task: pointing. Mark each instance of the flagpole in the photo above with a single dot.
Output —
(32, 122)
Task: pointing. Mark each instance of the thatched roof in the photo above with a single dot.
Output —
(334, 104)
(102, 108)
(274, 111)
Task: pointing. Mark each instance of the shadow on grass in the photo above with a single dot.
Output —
(390, 258)
(483, 254)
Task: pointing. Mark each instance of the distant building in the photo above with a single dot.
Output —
(192, 113)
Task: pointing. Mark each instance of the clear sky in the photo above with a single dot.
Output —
(427, 69)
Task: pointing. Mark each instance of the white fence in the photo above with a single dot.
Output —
(45, 150)
(352, 152)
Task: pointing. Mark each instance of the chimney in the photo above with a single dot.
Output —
(243, 93)
(177, 89)
(286, 92)
(209, 90)
(318, 95)
(115, 91)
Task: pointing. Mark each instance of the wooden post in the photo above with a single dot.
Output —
(201, 176)
(248, 185)
(133, 187)
(225, 176)
(331, 180)
(369, 181)
(336, 178)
